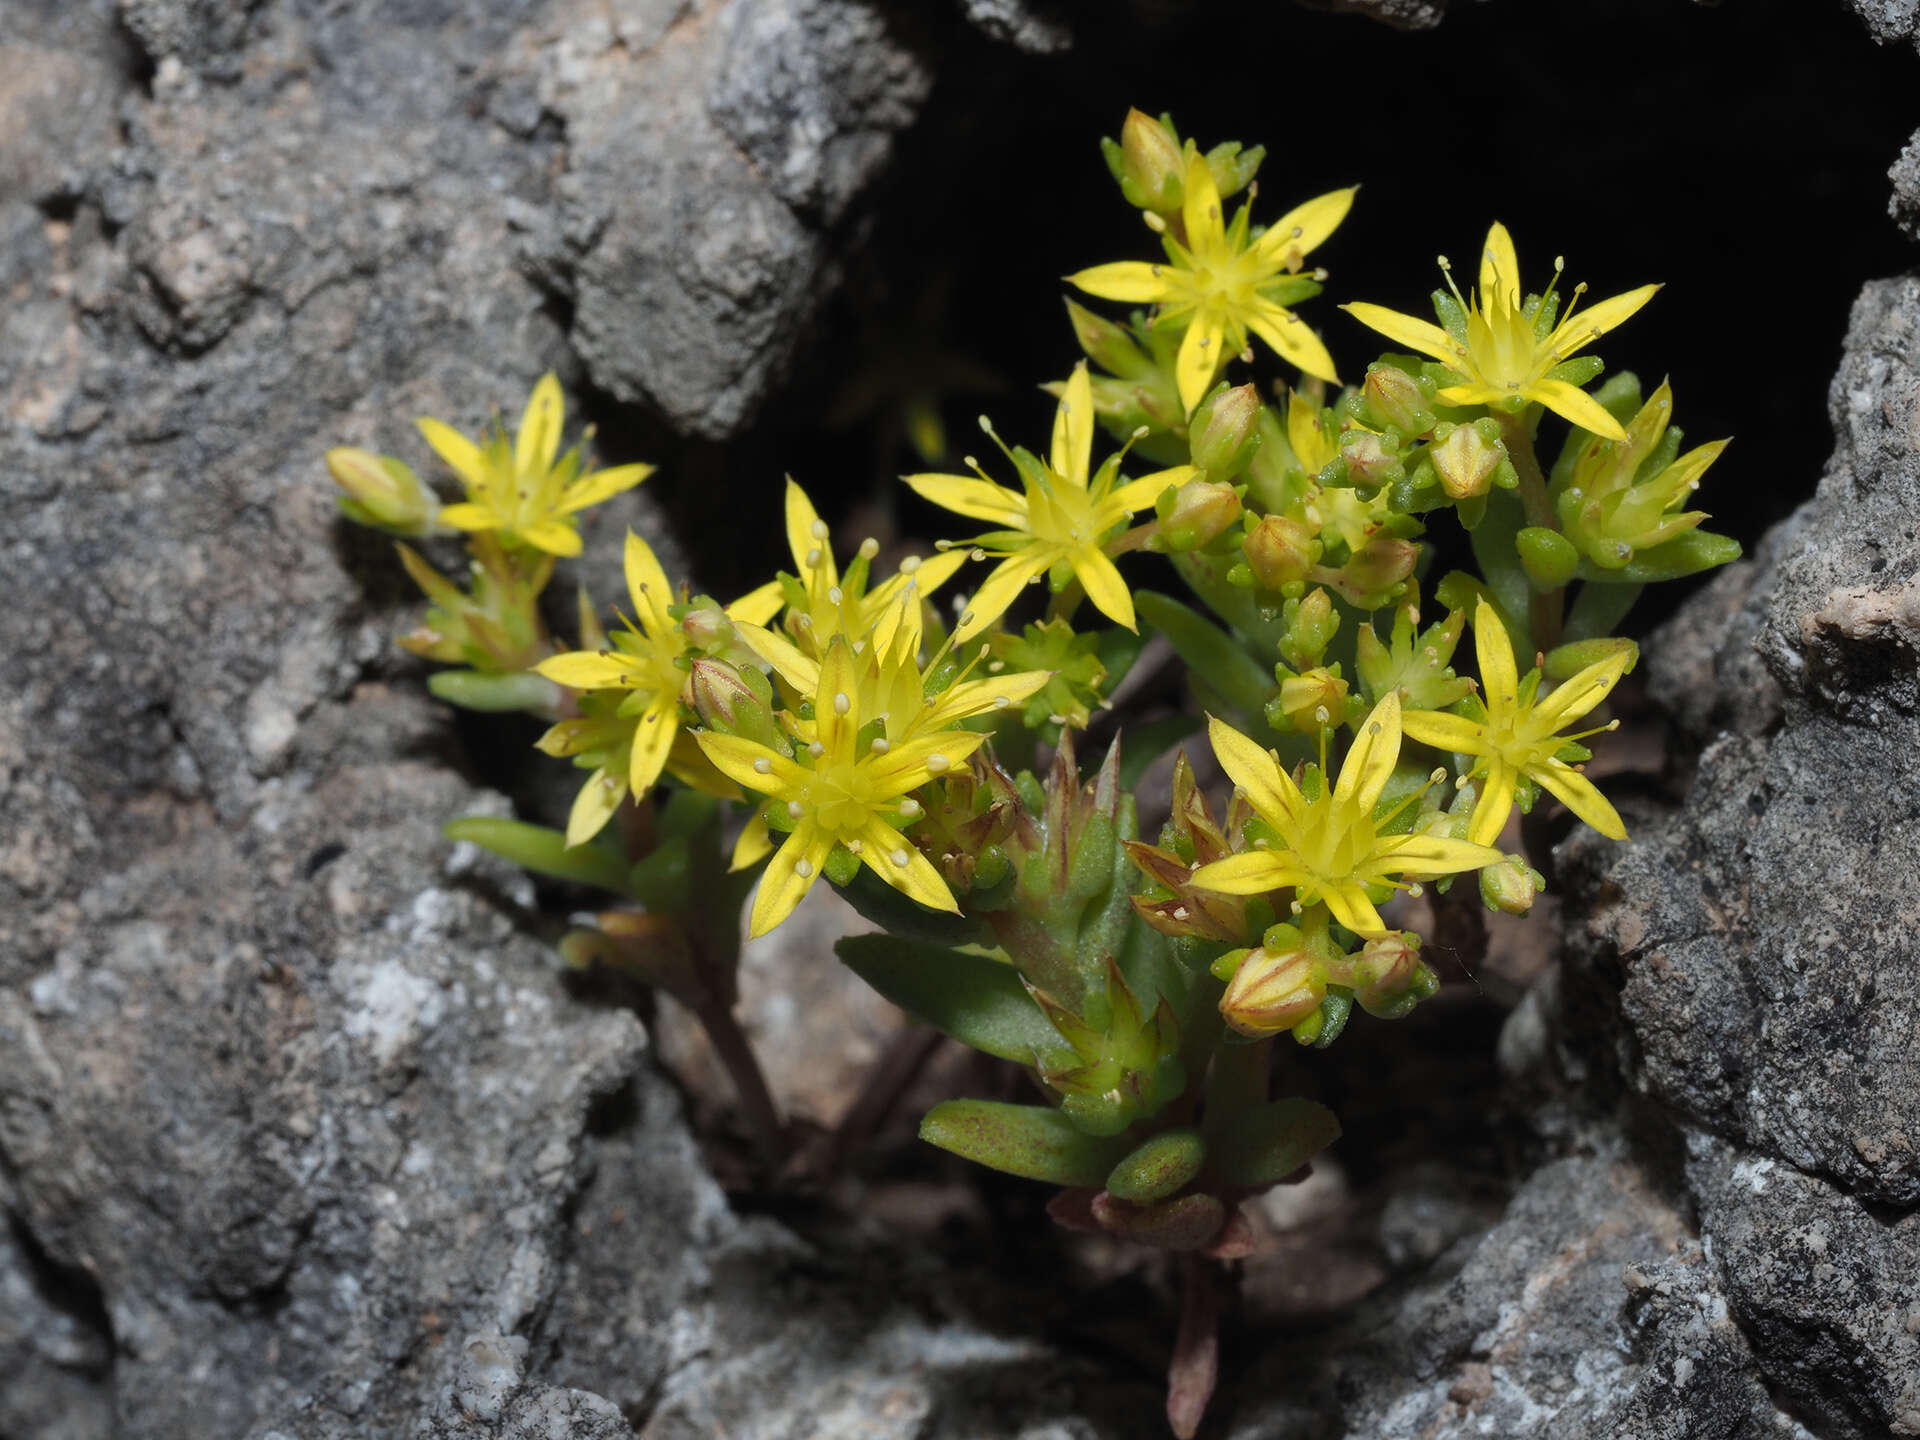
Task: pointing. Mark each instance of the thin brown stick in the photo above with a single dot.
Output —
(1196, 1349)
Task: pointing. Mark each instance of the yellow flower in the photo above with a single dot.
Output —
(1060, 523)
(1514, 735)
(821, 602)
(529, 493)
(1330, 850)
(1610, 509)
(1223, 284)
(645, 662)
(1505, 353)
(849, 793)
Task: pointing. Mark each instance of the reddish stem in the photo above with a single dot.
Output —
(1196, 1349)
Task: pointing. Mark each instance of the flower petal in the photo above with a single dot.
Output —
(1369, 764)
(1578, 794)
(836, 700)
(754, 845)
(1073, 428)
(1104, 587)
(795, 666)
(1499, 271)
(1306, 226)
(1495, 805)
(1002, 588)
(599, 485)
(461, 454)
(973, 497)
(556, 537)
(1352, 908)
(1428, 857)
(1292, 339)
(898, 861)
(1137, 495)
(976, 697)
(594, 806)
(1445, 732)
(1274, 796)
(466, 516)
(647, 584)
(757, 607)
(1199, 357)
(911, 763)
(537, 441)
(807, 538)
(789, 875)
(1131, 281)
(1254, 872)
(1583, 327)
(1201, 209)
(739, 759)
(652, 743)
(1499, 676)
(1572, 403)
(1418, 335)
(593, 670)
(1578, 694)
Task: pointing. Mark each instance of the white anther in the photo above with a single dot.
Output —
(813, 557)
(937, 762)
(819, 530)
(803, 868)
(1001, 702)
(796, 809)
(869, 548)
(899, 858)
(841, 704)
(763, 766)
(835, 595)
(816, 749)
(881, 745)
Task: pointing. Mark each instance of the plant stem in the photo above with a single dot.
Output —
(730, 1043)
(1546, 610)
(886, 1081)
(1196, 1349)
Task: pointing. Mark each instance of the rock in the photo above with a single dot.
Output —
(1822, 1286)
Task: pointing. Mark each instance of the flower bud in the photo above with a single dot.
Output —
(382, 491)
(1376, 567)
(1196, 514)
(1309, 702)
(1311, 624)
(1371, 462)
(1273, 991)
(1510, 886)
(732, 701)
(1398, 399)
(1108, 345)
(1152, 170)
(1389, 978)
(1280, 551)
(1224, 431)
(1466, 458)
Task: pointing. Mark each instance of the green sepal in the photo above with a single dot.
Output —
(1325, 1025)
(980, 1002)
(520, 690)
(1161, 1167)
(1686, 554)
(1495, 542)
(1267, 1143)
(1030, 1141)
(841, 865)
(543, 851)
(1548, 557)
(1209, 651)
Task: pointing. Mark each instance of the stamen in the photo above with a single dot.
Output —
(937, 762)
(804, 869)
(869, 548)
(816, 749)
(819, 530)
(762, 765)
(795, 809)
(881, 745)
(899, 858)
(841, 704)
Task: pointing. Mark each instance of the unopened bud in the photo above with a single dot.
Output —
(1398, 399)
(1280, 551)
(1510, 886)
(707, 630)
(1311, 624)
(1380, 564)
(382, 491)
(1273, 991)
(1466, 458)
(1225, 431)
(1199, 512)
(1389, 977)
(1309, 702)
(732, 701)
(1152, 171)
(1371, 462)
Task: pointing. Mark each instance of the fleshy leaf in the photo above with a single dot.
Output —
(1264, 1145)
(543, 851)
(979, 1002)
(1030, 1141)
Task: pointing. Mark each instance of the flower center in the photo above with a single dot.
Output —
(840, 795)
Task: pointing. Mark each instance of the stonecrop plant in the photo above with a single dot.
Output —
(915, 741)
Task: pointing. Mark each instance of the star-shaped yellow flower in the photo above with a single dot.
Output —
(1061, 521)
(1515, 736)
(1331, 851)
(1506, 352)
(849, 793)
(1223, 284)
(641, 662)
(529, 493)
(822, 602)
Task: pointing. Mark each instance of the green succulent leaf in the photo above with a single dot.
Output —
(1030, 1141)
(978, 1001)
(1266, 1144)
(543, 851)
